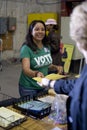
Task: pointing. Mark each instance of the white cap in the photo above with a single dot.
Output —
(51, 21)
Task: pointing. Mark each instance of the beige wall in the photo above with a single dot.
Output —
(66, 37)
(20, 9)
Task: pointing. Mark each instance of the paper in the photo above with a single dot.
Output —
(77, 76)
(38, 79)
(50, 76)
(55, 76)
(8, 116)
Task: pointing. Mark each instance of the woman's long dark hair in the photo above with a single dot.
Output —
(29, 38)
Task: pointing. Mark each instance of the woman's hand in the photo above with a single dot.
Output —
(39, 74)
(60, 69)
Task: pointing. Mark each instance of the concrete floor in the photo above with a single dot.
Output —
(9, 77)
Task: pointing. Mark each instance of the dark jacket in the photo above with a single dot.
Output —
(63, 86)
(77, 101)
(78, 105)
(54, 42)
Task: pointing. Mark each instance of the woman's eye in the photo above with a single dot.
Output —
(38, 29)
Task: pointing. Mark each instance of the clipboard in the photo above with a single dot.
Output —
(50, 77)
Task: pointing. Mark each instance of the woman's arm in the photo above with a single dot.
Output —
(28, 71)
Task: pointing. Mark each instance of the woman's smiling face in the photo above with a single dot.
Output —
(38, 32)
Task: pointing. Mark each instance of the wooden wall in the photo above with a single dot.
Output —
(7, 41)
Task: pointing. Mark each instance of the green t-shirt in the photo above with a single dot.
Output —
(39, 61)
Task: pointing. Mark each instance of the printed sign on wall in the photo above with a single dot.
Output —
(67, 51)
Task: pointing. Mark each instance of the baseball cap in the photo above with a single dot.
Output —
(51, 21)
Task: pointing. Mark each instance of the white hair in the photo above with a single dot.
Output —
(78, 24)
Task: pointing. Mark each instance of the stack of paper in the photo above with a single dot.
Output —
(8, 116)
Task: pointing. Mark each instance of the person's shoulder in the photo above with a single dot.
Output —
(25, 48)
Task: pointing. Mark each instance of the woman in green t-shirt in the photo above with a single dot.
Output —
(35, 58)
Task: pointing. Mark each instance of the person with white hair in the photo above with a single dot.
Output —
(54, 42)
(76, 89)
